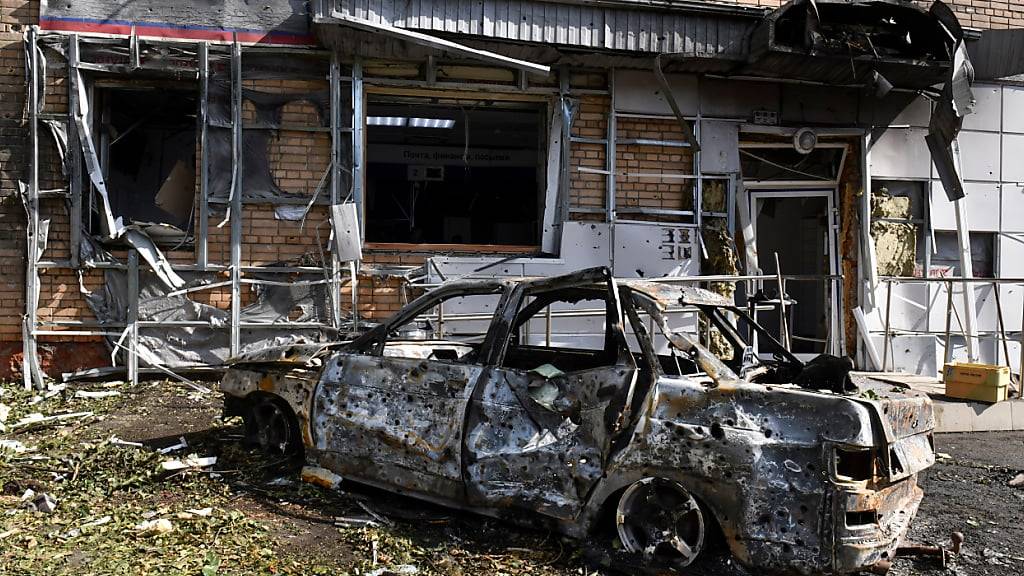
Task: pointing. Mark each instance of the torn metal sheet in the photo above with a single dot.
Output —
(348, 245)
(553, 436)
(59, 132)
(666, 90)
(188, 333)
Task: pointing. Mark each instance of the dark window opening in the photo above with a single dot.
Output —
(946, 260)
(147, 140)
(449, 174)
(785, 163)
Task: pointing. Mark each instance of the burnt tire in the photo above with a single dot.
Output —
(661, 523)
(271, 426)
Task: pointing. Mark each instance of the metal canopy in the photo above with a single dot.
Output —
(349, 21)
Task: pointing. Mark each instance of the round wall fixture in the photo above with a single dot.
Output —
(804, 140)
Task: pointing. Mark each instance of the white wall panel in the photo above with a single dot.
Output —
(979, 155)
(1013, 109)
(1013, 158)
(901, 153)
(983, 207)
(987, 111)
(652, 251)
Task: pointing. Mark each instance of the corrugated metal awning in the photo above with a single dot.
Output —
(615, 26)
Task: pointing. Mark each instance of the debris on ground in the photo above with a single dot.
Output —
(191, 461)
(1017, 480)
(321, 477)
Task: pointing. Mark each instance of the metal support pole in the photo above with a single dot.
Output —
(1002, 327)
(30, 366)
(948, 354)
(1020, 381)
(336, 135)
(358, 121)
(563, 158)
(236, 196)
(888, 331)
(966, 269)
(133, 317)
(74, 154)
(610, 149)
(202, 229)
(547, 327)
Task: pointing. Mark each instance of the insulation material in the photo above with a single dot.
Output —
(890, 206)
(276, 22)
(895, 242)
(895, 247)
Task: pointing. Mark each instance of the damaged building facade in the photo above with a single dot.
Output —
(187, 181)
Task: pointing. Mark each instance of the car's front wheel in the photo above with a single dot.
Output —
(661, 522)
(272, 427)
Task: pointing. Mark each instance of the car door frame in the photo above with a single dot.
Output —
(346, 435)
(493, 491)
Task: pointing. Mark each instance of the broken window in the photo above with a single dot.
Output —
(899, 227)
(467, 174)
(773, 162)
(148, 149)
(946, 260)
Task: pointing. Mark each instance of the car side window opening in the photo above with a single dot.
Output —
(563, 331)
(452, 329)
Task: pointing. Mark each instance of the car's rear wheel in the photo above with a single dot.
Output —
(661, 522)
(272, 427)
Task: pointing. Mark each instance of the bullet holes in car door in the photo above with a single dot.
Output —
(543, 419)
(391, 410)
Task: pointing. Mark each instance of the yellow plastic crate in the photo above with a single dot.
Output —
(980, 382)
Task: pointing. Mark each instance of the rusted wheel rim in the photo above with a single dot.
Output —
(662, 522)
(273, 430)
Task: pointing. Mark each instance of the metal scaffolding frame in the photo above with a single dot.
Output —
(127, 338)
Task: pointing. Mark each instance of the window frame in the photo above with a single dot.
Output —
(383, 94)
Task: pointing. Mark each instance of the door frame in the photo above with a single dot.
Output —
(832, 303)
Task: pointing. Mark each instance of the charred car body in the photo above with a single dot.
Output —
(644, 432)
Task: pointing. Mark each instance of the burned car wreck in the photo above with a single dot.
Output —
(639, 431)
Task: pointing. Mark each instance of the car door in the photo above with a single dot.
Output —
(540, 427)
(390, 410)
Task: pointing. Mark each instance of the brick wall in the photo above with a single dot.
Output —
(650, 191)
(588, 190)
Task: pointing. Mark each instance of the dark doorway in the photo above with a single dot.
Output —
(796, 228)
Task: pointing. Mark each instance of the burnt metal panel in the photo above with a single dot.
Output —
(397, 421)
(541, 444)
